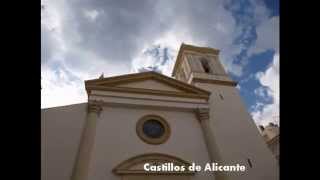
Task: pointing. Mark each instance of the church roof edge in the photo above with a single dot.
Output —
(146, 75)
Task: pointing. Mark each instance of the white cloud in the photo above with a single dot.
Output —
(267, 39)
(87, 38)
(58, 89)
(91, 14)
(262, 92)
(263, 114)
(267, 36)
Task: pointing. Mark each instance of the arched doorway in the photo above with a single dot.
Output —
(133, 168)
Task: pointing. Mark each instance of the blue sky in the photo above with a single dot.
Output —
(256, 63)
(81, 39)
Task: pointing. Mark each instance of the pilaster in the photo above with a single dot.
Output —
(81, 170)
(203, 115)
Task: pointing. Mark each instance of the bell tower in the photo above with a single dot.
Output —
(200, 64)
(236, 136)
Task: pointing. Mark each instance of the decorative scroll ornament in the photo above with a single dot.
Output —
(95, 106)
(202, 114)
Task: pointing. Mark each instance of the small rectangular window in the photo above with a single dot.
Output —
(205, 65)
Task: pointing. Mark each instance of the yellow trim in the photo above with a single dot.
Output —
(154, 141)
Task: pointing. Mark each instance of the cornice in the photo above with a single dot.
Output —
(112, 81)
(213, 81)
(146, 91)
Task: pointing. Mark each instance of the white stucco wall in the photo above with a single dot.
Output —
(237, 135)
(117, 141)
(60, 136)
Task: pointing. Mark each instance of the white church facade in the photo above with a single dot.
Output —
(130, 120)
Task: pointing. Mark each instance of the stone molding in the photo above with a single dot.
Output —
(95, 106)
(203, 114)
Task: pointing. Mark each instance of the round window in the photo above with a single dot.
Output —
(153, 129)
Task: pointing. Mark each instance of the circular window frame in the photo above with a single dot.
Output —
(149, 140)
